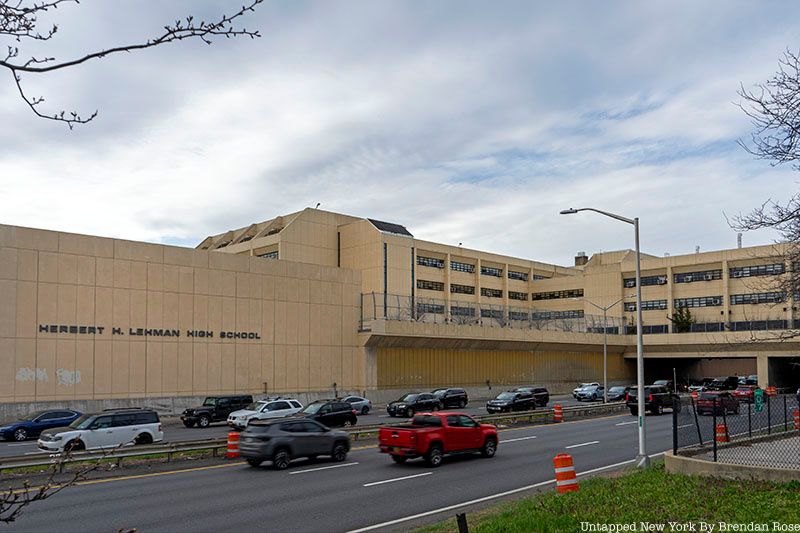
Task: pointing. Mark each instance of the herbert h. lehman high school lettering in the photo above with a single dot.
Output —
(148, 332)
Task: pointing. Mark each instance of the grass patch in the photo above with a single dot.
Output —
(650, 495)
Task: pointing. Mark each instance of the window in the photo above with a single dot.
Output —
(430, 262)
(554, 295)
(758, 298)
(518, 295)
(702, 301)
(648, 330)
(756, 325)
(491, 293)
(51, 416)
(102, 422)
(462, 267)
(646, 280)
(279, 406)
(538, 277)
(492, 313)
(757, 270)
(269, 255)
(248, 238)
(435, 309)
(703, 275)
(466, 422)
(461, 311)
(461, 289)
(121, 421)
(492, 271)
(518, 315)
(430, 285)
(649, 305)
(521, 276)
(553, 315)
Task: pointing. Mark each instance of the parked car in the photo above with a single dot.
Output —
(665, 383)
(451, 398)
(582, 385)
(434, 435)
(361, 405)
(281, 440)
(591, 393)
(745, 393)
(413, 402)
(214, 409)
(512, 401)
(31, 426)
(331, 413)
(109, 429)
(717, 402)
(540, 394)
(617, 394)
(752, 379)
(263, 409)
(657, 398)
(700, 385)
(728, 383)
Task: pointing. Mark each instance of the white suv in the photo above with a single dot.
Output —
(109, 429)
(262, 409)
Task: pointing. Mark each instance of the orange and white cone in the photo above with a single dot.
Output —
(233, 445)
(722, 433)
(558, 413)
(566, 480)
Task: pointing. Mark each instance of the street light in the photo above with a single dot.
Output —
(605, 341)
(641, 458)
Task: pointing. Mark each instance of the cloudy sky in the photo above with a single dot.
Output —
(466, 121)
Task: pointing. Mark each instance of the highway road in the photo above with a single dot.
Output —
(367, 492)
(174, 431)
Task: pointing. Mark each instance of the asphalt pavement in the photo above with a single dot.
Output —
(175, 431)
(367, 492)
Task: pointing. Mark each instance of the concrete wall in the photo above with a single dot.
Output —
(84, 318)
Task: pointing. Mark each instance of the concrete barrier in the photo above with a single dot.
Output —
(678, 464)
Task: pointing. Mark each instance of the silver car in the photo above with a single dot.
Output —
(361, 405)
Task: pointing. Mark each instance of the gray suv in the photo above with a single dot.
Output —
(280, 441)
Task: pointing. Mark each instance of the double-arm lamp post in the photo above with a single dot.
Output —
(605, 342)
(641, 459)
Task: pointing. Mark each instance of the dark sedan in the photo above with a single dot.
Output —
(512, 401)
(617, 394)
(31, 426)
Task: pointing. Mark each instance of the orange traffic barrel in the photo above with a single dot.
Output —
(233, 445)
(722, 433)
(565, 473)
(558, 413)
(772, 391)
(695, 395)
(796, 416)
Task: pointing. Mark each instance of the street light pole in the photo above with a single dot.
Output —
(642, 459)
(604, 309)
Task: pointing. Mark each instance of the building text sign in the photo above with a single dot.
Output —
(148, 332)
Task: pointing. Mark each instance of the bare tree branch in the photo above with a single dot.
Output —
(19, 22)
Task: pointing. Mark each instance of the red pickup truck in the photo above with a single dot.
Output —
(432, 435)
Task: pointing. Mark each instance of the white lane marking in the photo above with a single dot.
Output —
(626, 423)
(23, 444)
(322, 468)
(685, 426)
(582, 444)
(35, 453)
(518, 438)
(396, 479)
(488, 498)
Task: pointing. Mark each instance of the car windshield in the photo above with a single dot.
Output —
(505, 396)
(210, 402)
(255, 406)
(82, 422)
(409, 398)
(31, 417)
(708, 396)
(312, 408)
(660, 382)
(616, 389)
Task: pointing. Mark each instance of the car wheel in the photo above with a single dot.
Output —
(462, 404)
(489, 448)
(634, 411)
(594, 397)
(281, 459)
(365, 410)
(399, 459)
(659, 410)
(409, 413)
(339, 452)
(20, 434)
(203, 421)
(74, 446)
(189, 424)
(254, 462)
(144, 438)
(435, 408)
(434, 456)
(347, 423)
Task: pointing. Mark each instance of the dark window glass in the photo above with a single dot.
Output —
(461, 289)
(430, 285)
(702, 275)
(554, 315)
(554, 295)
(492, 313)
(646, 280)
(648, 305)
(430, 262)
(491, 293)
(146, 417)
(702, 301)
(521, 276)
(462, 267)
(518, 315)
(757, 270)
(758, 298)
(269, 255)
(466, 422)
(518, 295)
(435, 309)
(492, 271)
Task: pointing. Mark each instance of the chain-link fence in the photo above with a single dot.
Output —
(404, 308)
(719, 427)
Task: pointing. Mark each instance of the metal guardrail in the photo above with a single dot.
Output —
(119, 454)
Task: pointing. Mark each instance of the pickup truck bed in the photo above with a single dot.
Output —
(433, 435)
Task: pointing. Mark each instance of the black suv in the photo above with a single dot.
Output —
(413, 402)
(516, 400)
(331, 413)
(214, 409)
(657, 399)
(451, 397)
(541, 394)
(724, 383)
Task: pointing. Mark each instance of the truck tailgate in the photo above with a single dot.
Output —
(398, 437)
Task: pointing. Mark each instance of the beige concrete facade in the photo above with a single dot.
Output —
(94, 318)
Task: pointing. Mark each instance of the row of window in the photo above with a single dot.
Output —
(553, 315)
(459, 311)
(646, 280)
(491, 293)
(648, 305)
(462, 289)
(758, 298)
(704, 275)
(458, 266)
(430, 262)
(518, 295)
(430, 285)
(758, 270)
(554, 295)
(269, 255)
(521, 276)
(702, 301)
(491, 271)
(468, 289)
